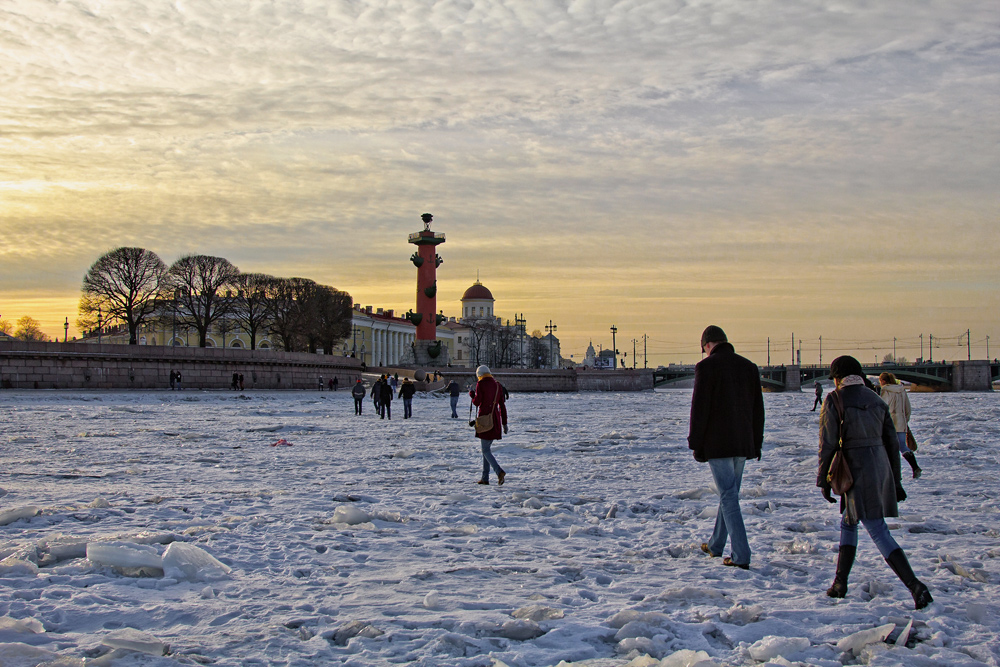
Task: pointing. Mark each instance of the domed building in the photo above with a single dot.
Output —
(477, 303)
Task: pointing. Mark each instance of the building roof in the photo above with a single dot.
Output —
(477, 292)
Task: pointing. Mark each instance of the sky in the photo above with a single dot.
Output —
(807, 168)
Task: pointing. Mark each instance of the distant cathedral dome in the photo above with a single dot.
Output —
(477, 303)
(477, 292)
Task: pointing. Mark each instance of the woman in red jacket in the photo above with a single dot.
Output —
(489, 397)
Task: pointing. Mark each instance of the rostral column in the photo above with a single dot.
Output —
(427, 350)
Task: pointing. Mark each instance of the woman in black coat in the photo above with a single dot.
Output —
(855, 415)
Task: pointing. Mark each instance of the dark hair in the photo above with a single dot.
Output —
(844, 366)
(713, 334)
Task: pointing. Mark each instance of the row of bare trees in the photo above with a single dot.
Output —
(133, 286)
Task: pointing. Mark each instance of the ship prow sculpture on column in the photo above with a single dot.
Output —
(427, 349)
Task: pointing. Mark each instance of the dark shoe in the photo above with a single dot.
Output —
(729, 562)
(704, 547)
(845, 560)
(500, 476)
(912, 460)
(483, 481)
(921, 595)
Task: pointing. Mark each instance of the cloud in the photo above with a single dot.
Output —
(718, 139)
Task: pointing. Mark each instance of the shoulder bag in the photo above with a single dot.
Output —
(484, 423)
(839, 475)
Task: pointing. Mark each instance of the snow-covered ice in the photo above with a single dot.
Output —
(163, 528)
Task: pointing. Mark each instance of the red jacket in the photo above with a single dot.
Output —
(488, 395)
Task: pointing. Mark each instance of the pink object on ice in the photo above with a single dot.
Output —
(281, 443)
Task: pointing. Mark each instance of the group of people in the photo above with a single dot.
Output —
(333, 383)
(175, 380)
(236, 384)
(727, 428)
(382, 393)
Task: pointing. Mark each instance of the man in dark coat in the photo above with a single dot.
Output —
(406, 392)
(358, 392)
(385, 402)
(453, 393)
(727, 428)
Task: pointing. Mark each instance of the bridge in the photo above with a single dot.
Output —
(976, 375)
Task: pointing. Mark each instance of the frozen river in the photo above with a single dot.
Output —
(368, 542)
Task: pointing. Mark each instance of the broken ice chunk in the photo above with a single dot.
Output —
(135, 640)
(183, 561)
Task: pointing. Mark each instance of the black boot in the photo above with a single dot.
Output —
(921, 596)
(912, 460)
(845, 560)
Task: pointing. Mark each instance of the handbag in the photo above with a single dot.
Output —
(839, 475)
(911, 442)
(484, 423)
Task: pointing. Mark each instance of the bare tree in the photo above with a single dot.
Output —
(286, 304)
(29, 329)
(328, 318)
(202, 281)
(251, 303)
(123, 285)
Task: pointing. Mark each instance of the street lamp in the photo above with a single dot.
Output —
(100, 320)
(614, 345)
(519, 322)
(550, 328)
(66, 331)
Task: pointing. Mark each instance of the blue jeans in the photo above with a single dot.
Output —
(903, 447)
(728, 475)
(488, 460)
(876, 528)
(454, 406)
(407, 408)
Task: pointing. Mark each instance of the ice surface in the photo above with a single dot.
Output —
(593, 539)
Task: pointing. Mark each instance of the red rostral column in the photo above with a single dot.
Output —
(426, 260)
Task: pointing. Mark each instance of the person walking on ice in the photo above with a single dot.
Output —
(488, 397)
(358, 392)
(819, 396)
(894, 395)
(726, 429)
(856, 422)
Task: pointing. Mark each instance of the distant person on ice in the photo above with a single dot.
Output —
(819, 396)
(377, 394)
(406, 392)
(488, 396)
(727, 428)
(454, 391)
(385, 400)
(358, 392)
(894, 395)
(855, 415)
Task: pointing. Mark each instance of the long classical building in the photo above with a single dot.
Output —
(380, 337)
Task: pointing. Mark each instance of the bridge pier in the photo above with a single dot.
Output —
(973, 375)
(793, 378)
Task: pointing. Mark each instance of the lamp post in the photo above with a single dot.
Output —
(614, 345)
(173, 340)
(66, 331)
(519, 322)
(550, 328)
(100, 320)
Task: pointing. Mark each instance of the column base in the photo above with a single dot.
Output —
(424, 353)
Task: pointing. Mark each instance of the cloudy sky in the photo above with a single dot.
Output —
(823, 168)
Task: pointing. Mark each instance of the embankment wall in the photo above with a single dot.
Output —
(89, 366)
